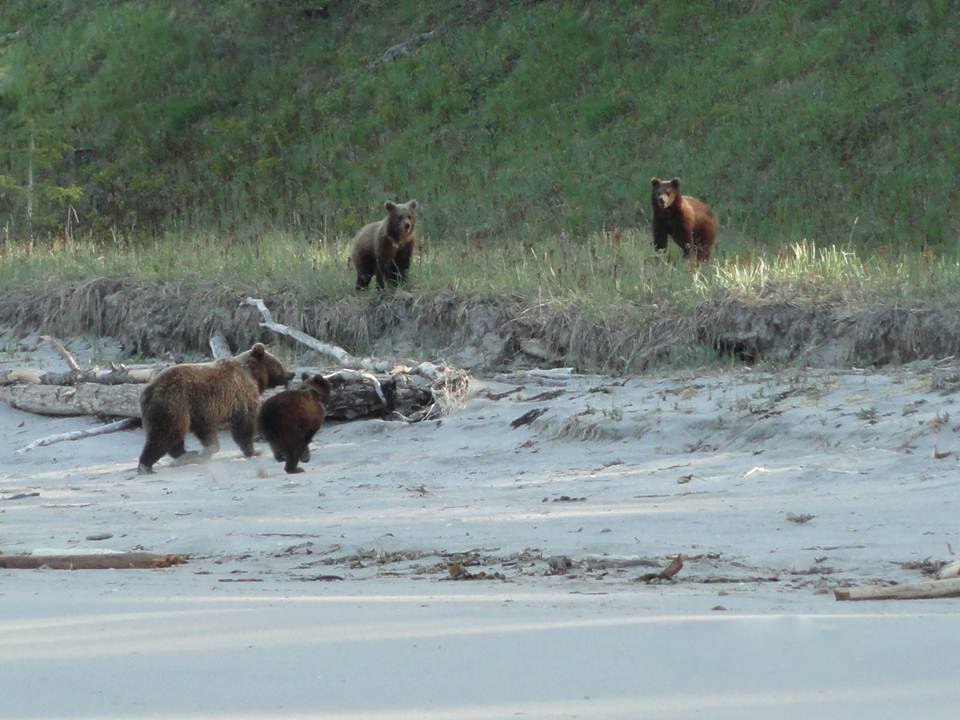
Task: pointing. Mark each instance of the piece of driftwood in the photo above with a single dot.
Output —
(219, 347)
(527, 418)
(64, 353)
(117, 375)
(334, 351)
(912, 591)
(81, 399)
(666, 574)
(125, 424)
(950, 570)
(99, 561)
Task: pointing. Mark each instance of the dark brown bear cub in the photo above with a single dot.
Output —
(291, 418)
(687, 220)
(383, 249)
(200, 398)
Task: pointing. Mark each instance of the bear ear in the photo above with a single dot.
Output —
(258, 350)
(305, 376)
(389, 206)
(655, 181)
(675, 182)
(412, 204)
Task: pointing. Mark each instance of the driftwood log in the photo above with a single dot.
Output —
(99, 561)
(912, 591)
(411, 393)
(354, 397)
(101, 376)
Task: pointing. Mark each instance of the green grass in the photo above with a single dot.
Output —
(516, 123)
(606, 274)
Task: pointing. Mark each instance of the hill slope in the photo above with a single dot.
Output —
(831, 121)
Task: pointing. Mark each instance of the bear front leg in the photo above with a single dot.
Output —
(660, 237)
(381, 276)
(363, 280)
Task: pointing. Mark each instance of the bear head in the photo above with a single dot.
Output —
(665, 194)
(265, 368)
(401, 219)
(317, 385)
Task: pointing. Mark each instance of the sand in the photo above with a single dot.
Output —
(329, 593)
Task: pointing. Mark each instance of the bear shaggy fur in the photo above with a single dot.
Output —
(687, 220)
(200, 398)
(383, 249)
(290, 419)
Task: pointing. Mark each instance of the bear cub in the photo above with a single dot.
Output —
(290, 419)
(383, 249)
(687, 220)
(200, 397)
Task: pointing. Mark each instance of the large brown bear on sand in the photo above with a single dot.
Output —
(201, 397)
(687, 220)
(383, 249)
(290, 419)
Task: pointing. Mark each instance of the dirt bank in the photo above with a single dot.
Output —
(151, 319)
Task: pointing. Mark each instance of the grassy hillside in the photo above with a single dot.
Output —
(515, 120)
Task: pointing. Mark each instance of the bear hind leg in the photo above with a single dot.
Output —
(207, 435)
(242, 430)
(153, 450)
(182, 456)
(293, 458)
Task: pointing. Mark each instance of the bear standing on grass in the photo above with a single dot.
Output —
(383, 249)
(687, 220)
(201, 397)
(291, 418)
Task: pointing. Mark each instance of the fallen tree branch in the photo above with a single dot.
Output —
(100, 561)
(666, 574)
(64, 353)
(125, 424)
(219, 347)
(334, 351)
(912, 591)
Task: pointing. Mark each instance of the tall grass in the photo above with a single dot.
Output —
(608, 273)
(516, 123)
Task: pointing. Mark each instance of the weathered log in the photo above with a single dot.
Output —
(950, 570)
(82, 399)
(99, 561)
(219, 347)
(334, 351)
(913, 591)
(64, 353)
(102, 376)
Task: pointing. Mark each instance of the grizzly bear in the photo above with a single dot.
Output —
(687, 220)
(200, 397)
(290, 419)
(383, 249)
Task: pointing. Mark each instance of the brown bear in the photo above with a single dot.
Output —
(200, 398)
(383, 249)
(290, 419)
(687, 220)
